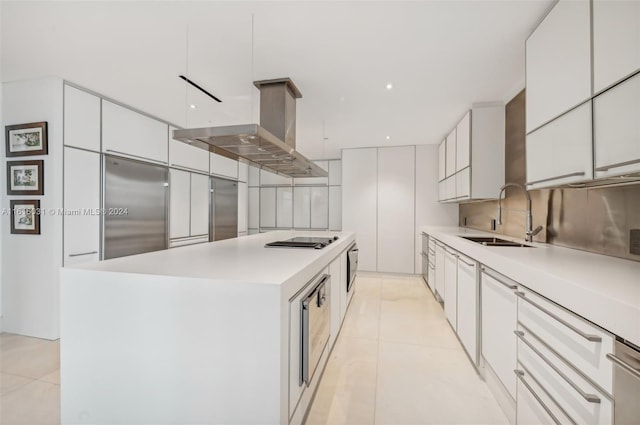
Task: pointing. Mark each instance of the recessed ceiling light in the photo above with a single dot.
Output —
(388, 137)
(192, 106)
(389, 86)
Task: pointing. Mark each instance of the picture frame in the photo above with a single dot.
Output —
(26, 139)
(25, 217)
(25, 177)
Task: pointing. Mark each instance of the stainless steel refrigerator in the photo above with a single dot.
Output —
(223, 220)
(135, 207)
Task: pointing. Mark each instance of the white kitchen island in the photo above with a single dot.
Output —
(205, 334)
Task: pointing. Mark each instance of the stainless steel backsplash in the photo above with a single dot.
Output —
(591, 219)
(596, 220)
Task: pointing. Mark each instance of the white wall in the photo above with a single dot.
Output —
(31, 263)
(428, 210)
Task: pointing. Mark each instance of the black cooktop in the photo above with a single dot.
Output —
(302, 242)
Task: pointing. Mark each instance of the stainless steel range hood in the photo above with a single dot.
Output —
(270, 145)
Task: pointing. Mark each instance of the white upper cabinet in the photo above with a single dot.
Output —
(463, 139)
(222, 166)
(558, 62)
(269, 178)
(81, 119)
(479, 147)
(81, 192)
(126, 132)
(451, 154)
(616, 115)
(442, 160)
(199, 204)
(616, 41)
(183, 155)
(561, 152)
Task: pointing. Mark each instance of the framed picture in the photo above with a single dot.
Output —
(25, 177)
(25, 217)
(26, 139)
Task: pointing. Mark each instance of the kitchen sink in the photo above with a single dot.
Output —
(492, 241)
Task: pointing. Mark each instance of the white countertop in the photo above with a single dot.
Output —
(244, 259)
(604, 290)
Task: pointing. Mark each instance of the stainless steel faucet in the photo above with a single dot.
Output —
(529, 232)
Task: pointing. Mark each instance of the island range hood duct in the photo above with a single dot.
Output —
(270, 145)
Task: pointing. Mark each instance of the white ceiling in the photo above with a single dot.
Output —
(440, 56)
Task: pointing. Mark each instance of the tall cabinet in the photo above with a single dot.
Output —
(378, 199)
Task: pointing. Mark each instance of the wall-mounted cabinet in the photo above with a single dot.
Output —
(187, 157)
(561, 151)
(450, 160)
(616, 41)
(558, 62)
(222, 166)
(479, 146)
(81, 119)
(442, 160)
(616, 115)
(129, 133)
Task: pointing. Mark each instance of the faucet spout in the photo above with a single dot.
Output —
(529, 232)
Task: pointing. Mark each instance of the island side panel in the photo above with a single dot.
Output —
(163, 350)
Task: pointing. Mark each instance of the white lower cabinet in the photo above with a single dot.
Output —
(81, 194)
(440, 272)
(336, 319)
(499, 315)
(570, 398)
(451, 287)
(534, 405)
(467, 321)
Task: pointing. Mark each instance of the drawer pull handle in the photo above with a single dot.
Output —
(564, 360)
(632, 370)
(591, 398)
(520, 375)
(588, 337)
(83, 253)
(616, 165)
(490, 273)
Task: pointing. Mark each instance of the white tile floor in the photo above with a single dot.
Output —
(396, 362)
(30, 381)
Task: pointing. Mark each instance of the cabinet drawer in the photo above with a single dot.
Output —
(535, 407)
(575, 397)
(579, 342)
